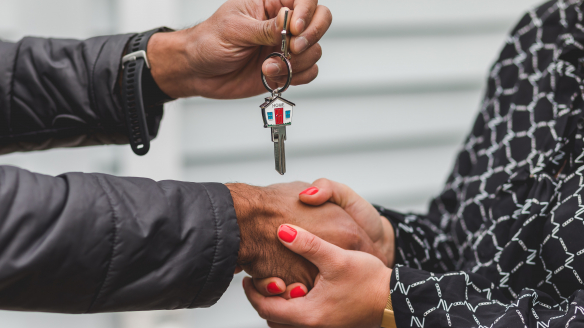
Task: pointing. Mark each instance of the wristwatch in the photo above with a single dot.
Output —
(140, 91)
(388, 320)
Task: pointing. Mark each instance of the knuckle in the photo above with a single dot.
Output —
(314, 74)
(311, 246)
(355, 241)
(343, 262)
(323, 182)
(328, 15)
(317, 51)
(266, 33)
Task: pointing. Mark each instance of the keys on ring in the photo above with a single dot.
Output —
(277, 111)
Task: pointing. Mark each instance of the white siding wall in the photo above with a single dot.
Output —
(400, 83)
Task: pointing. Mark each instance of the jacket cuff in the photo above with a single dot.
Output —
(227, 237)
(401, 294)
(107, 90)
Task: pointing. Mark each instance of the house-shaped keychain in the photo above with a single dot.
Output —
(277, 111)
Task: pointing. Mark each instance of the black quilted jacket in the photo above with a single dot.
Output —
(81, 243)
(503, 245)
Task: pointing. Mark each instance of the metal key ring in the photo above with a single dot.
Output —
(288, 65)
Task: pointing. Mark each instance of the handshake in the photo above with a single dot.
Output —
(297, 238)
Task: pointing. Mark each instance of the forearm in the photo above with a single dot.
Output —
(83, 243)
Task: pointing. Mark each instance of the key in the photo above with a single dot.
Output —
(278, 138)
(277, 114)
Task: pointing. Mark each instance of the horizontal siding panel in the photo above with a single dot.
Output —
(424, 11)
(381, 60)
(235, 127)
(394, 12)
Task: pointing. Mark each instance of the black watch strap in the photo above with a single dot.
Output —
(134, 65)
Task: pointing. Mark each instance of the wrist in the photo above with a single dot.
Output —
(384, 295)
(249, 203)
(388, 241)
(169, 63)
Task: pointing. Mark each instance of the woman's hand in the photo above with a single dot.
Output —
(351, 289)
(365, 215)
(222, 57)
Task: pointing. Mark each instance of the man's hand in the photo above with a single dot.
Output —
(351, 289)
(222, 57)
(260, 211)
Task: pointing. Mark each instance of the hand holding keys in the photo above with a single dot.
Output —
(277, 111)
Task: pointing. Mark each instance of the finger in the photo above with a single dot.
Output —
(263, 32)
(305, 77)
(270, 286)
(299, 79)
(302, 16)
(294, 291)
(275, 309)
(325, 190)
(321, 253)
(318, 26)
(276, 67)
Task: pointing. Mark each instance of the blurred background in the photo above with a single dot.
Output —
(400, 84)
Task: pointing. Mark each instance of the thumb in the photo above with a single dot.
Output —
(325, 190)
(266, 32)
(319, 252)
(359, 209)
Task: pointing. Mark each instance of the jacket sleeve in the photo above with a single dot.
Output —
(460, 299)
(85, 243)
(63, 93)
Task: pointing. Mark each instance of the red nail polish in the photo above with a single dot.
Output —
(310, 191)
(297, 292)
(287, 233)
(273, 288)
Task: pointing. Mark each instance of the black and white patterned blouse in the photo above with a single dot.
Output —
(503, 244)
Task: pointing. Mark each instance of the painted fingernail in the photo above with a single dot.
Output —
(297, 292)
(310, 191)
(273, 69)
(300, 24)
(300, 44)
(273, 288)
(287, 233)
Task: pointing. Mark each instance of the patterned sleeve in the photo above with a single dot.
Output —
(460, 299)
(421, 241)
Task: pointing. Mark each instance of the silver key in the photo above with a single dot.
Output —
(277, 114)
(278, 138)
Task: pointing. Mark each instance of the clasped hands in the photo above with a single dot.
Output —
(322, 249)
